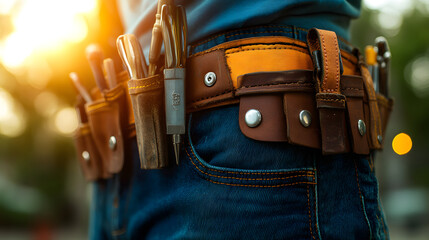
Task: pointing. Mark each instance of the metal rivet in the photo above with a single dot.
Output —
(361, 127)
(210, 79)
(253, 118)
(86, 156)
(305, 118)
(112, 142)
(380, 139)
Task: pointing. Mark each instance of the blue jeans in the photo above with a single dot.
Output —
(228, 186)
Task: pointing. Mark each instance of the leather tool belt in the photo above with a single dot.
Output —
(313, 95)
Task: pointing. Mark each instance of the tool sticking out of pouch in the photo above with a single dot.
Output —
(174, 34)
(79, 87)
(94, 54)
(80, 109)
(156, 41)
(383, 59)
(109, 69)
(132, 56)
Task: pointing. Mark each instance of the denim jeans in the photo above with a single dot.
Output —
(228, 186)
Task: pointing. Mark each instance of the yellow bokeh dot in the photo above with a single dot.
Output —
(402, 144)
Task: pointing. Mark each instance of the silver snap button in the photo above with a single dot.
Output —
(361, 127)
(86, 156)
(305, 118)
(112, 142)
(210, 79)
(380, 139)
(253, 118)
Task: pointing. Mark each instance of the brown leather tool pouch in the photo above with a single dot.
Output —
(86, 151)
(352, 88)
(372, 110)
(275, 93)
(333, 126)
(385, 106)
(108, 121)
(147, 98)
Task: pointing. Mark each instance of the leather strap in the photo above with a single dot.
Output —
(239, 57)
(323, 45)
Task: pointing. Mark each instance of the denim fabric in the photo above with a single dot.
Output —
(228, 186)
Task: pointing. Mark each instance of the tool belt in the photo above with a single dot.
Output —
(313, 95)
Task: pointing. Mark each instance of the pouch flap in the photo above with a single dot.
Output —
(87, 154)
(107, 120)
(352, 87)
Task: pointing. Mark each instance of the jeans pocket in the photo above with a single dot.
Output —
(250, 189)
(223, 155)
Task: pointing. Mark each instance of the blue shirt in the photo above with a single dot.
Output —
(206, 17)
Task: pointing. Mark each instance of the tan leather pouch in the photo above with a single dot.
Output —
(147, 98)
(385, 106)
(108, 122)
(86, 151)
(281, 98)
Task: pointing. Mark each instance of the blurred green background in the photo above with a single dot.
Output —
(42, 192)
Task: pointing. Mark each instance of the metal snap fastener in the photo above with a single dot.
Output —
(361, 127)
(380, 139)
(253, 118)
(86, 156)
(305, 118)
(210, 79)
(112, 142)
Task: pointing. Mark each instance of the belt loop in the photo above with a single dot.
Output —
(326, 56)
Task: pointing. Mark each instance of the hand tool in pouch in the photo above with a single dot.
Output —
(94, 54)
(156, 41)
(147, 101)
(80, 89)
(383, 60)
(109, 69)
(174, 31)
(130, 51)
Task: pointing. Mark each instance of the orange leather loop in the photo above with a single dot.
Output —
(323, 46)
(326, 42)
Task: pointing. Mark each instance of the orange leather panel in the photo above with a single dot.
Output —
(266, 58)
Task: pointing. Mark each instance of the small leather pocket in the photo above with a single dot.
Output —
(86, 151)
(88, 156)
(385, 106)
(352, 87)
(108, 122)
(280, 97)
(147, 98)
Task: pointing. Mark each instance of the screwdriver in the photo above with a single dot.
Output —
(109, 68)
(80, 89)
(383, 59)
(94, 54)
(174, 29)
(156, 40)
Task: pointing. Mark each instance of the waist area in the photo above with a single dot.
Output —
(214, 76)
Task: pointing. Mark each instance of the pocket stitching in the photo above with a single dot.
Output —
(244, 173)
(249, 185)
